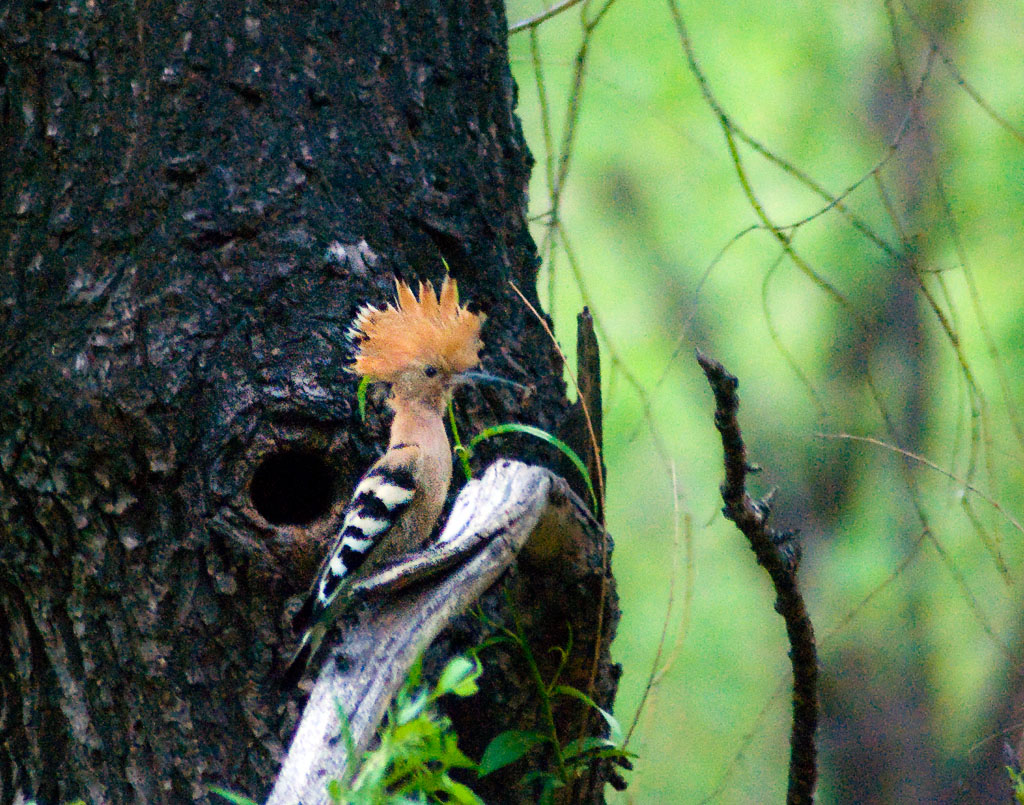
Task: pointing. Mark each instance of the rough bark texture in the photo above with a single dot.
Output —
(194, 199)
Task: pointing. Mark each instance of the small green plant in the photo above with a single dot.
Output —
(461, 450)
(570, 758)
(231, 796)
(364, 384)
(543, 435)
(465, 451)
(417, 748)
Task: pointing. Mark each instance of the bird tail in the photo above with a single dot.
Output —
(307, 648)
(297, 667)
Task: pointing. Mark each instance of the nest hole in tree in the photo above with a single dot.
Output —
(292, 487)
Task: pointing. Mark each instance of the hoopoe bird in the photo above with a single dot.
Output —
(420, 347)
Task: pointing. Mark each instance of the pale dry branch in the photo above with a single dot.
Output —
(491, 521)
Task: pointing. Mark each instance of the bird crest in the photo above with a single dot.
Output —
(431, 330)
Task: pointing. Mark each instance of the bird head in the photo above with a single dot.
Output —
(420, 345)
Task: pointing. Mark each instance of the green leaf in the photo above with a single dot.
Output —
(461, 451)
(411, 735)
(415, 675)
(460, 793)
(336, 791)
(230, 796)
(543, 435)
(577, 747)
(614, 728)
(364, 384)
(547, 793)
(454, 758)
(550, 783)
(411, 708)
(507, 747)
(459, 676)
(493, 640)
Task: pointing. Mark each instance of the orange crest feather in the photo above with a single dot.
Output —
(432, 330)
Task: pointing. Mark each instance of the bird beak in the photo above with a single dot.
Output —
(484, 377)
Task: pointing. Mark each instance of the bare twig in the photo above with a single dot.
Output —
(533, 22)
(595, 443)
(779, 555)
(591, 432)
(968, 487)
(658, 668)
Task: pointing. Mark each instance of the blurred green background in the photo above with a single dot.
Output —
(896, 317)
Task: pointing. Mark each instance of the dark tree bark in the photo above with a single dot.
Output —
(194, 200)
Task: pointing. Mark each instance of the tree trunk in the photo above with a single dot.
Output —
(194, 200)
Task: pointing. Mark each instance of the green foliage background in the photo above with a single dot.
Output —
(904, 326)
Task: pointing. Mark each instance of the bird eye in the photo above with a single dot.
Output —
(430, 371)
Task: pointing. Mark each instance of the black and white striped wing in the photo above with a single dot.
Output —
(378, 503)
(380, 499)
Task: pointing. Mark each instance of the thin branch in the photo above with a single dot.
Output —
(659, 669)
(598, 464)
(533, 22)
(594, 443)
(967, 486)
(954, 71)
(778, 555)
